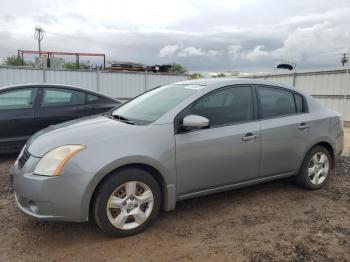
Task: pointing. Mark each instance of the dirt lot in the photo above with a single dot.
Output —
(276, 221)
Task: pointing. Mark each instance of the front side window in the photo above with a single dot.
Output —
(276, 102)
(227, 106)
(62, 97)
(17, 99)
(152, 105)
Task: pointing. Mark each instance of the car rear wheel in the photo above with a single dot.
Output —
(126, 202)
(316, 168)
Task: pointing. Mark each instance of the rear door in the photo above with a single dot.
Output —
(284, 130)
(17, 110)
(58, 105)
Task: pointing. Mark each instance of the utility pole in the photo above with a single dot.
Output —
(347, 70)
(39, 35)
(345, 58)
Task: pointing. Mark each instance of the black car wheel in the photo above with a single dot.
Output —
(126, 202)
(315, 169)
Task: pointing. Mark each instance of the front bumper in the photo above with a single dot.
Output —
(46, 198)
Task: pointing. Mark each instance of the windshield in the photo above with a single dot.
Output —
(152, 105)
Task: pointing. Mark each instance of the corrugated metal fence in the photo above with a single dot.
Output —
(330, 87)
(124, 85)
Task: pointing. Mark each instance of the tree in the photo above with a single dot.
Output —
(221, 75)
(14, 61)
(178, 69)
(74, 65)
(71, 66)
(196, 75)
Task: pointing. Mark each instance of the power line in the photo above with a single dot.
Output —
(39, 35)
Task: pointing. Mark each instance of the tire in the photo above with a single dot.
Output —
(315, 179)
(126, 213)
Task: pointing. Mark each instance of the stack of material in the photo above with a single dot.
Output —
(130, 66)
(158, 68)
(126, 66)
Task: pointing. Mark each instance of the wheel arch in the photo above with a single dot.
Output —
(326, 144)
(167, 191)
(330, 149)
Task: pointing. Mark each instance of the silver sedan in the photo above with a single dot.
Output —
(172, 143)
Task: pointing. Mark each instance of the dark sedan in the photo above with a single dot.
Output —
(25, 109)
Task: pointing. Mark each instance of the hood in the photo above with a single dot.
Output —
(84, 131)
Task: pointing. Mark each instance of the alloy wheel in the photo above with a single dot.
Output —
(318, 168)
(130, 205)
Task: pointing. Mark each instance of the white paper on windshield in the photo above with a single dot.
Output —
(195, 87)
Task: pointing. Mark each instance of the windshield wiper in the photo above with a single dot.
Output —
(121, 118)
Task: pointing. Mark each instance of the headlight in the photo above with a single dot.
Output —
(53, 161)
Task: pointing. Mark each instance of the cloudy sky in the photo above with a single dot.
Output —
(203, 35)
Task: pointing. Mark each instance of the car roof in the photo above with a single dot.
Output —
(226, 81)
(57, 86)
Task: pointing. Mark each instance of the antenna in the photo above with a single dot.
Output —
(39, 35)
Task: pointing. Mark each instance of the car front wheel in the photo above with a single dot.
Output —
(126, 202)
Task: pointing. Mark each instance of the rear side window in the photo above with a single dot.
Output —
(299, 104)
(62, 97)
(227, 106)
(276, 102)
(17, 99)
(92, 99)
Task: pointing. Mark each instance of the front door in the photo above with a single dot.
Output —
(225, 153)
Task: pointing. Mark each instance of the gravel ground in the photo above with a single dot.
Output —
(276, 221)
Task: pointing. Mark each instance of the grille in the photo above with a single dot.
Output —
(23, 158)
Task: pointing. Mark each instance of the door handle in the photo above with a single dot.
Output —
(303, 126)
(249, 137)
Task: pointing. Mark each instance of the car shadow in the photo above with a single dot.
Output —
(245, 194)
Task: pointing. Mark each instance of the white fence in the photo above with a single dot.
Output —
(330, 87)
(122, 85)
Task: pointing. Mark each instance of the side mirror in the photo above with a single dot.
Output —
(194, 122)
